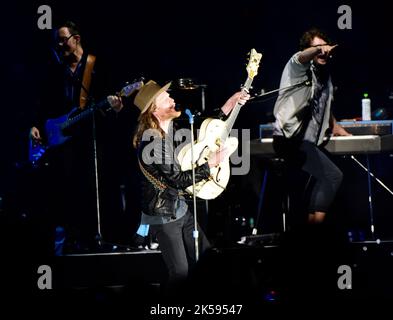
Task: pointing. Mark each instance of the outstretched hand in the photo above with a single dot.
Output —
(325, 50)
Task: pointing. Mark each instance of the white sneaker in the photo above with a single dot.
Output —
(153, 246)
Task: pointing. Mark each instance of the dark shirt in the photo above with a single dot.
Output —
(71, 179)
(72, 83)
(318, 105)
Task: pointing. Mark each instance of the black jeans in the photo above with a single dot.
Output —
(311, 159)
(177, 247)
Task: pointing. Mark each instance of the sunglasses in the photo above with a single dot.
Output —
(65, 40)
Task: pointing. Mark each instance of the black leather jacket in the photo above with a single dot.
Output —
(158, 158)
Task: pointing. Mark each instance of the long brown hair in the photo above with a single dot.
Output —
(146, 121)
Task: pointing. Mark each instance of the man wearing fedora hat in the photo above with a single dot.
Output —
(164, 206)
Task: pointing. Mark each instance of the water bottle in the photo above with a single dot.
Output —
(366, 107)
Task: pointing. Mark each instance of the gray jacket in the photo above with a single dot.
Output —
(291, 102)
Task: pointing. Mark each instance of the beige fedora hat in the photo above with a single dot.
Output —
(148, 93)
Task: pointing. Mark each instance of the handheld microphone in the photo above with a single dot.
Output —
(333, 50)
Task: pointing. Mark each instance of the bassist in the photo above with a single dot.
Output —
(68, 189)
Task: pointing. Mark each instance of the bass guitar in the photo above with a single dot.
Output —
(54, 128)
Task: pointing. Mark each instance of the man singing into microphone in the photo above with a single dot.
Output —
(303, 115)
(167, 211)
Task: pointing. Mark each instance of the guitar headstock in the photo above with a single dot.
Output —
(130, 88)
(253, 63)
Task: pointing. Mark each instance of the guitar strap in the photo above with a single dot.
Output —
(86, 81)
(157, 184)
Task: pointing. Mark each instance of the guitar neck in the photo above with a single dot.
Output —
(84, 114)
(235, 112)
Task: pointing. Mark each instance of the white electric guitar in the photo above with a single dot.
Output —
(213, 134)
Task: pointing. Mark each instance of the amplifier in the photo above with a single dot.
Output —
(372, 127)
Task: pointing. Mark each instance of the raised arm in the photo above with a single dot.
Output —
(308, 54)
(240, 96)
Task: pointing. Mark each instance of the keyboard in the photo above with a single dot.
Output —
(361, 144)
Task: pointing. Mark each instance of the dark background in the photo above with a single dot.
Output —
(207, 41)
